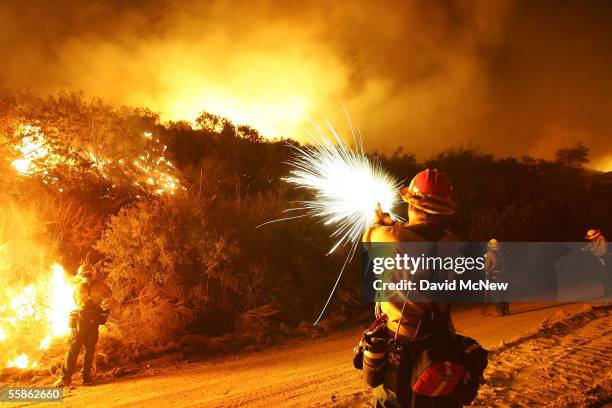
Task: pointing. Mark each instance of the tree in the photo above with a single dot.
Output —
(249, 133)
(212, 122)
(575, 156)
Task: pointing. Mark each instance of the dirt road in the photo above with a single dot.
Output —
(567, 364)
(319, 372)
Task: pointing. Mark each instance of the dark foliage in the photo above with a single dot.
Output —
(195, 261)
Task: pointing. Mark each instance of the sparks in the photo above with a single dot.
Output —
(348, 187)
(151, 171)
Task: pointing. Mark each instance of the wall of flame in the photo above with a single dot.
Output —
(32, 317)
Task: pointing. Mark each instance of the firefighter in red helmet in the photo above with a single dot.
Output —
(430, 199)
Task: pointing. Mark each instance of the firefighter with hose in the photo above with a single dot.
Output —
(91, 296)
(429, 198)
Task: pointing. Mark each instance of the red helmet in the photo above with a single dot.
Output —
(430, 191)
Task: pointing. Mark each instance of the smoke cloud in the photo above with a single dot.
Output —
(511, 77)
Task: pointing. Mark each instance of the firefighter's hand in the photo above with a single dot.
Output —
(381, 217)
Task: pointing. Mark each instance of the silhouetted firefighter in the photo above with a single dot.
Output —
(599, 248)
(89, 295)
(411, 354)
(494, 270)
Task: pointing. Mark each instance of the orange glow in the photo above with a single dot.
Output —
(272, 77)
(603, 164)
(272, 115)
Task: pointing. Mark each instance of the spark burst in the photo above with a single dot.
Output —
(347, 187)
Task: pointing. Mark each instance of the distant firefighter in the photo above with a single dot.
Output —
(91, 295)
(494, 269)
(599, 248)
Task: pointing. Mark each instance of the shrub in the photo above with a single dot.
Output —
(162, 257)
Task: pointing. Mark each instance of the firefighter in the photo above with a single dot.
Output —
(429, 198)
(91, 296)
(599, 248)
(494, 270)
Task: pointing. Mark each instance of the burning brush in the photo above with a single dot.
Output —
(33, 316)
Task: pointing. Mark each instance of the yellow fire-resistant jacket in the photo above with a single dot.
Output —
(95, 292)
(598, 246)
(492, 263)
(414, 311)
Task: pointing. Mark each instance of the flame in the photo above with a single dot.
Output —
(61, 302)
(32, 148)
(34, 317)
(36, 157)
(23, 303)
(151, 171)
(20, 362)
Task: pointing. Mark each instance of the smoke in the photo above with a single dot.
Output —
(419, 75)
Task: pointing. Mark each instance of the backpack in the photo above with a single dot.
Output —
(444, 365)
(447, 364)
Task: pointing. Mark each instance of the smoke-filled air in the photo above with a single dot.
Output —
(476, 73)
